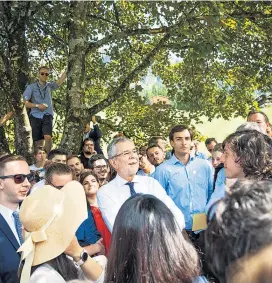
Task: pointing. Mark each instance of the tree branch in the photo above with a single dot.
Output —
(117, 93)
(124, 34)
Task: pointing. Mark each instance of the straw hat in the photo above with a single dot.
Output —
(50, 218)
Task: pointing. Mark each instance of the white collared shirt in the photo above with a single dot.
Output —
(7, 214)
(112, 195)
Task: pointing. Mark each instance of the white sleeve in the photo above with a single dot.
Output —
(101, 260)
(46, 275)
(107, 209)
(160, 193)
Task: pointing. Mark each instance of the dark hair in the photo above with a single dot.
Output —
(4, 159)
(57, 151)
(254, 152)
(218, 147)
(155, 139)
(252, 112)
(242, 225)
(73, 156)
(147, 245)
(83, 143)
(142, 150)
(96, 157)
(152, 146)
(58, 169)
(88, 139)
(63, 265)
(44, 67)
(177, 129)
(210, 140)
(86, 174)
(37, 149)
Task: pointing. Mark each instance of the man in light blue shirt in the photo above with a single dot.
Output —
(38, 97)
(186, 179)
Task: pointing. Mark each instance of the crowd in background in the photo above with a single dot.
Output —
(164, 212)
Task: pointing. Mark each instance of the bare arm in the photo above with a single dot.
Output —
(92, 270)
(29, 104)
(62, 77)
(4, 119)
(96, 248)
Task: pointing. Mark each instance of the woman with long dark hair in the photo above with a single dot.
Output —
(148, 246)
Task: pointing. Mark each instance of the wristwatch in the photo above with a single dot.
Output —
(37, 105)
(83, 258)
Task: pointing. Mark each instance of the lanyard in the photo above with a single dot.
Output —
(42, 96)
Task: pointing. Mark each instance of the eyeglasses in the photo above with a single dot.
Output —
(20, 178)
(127, 153)
(99, 167)
(44, 74)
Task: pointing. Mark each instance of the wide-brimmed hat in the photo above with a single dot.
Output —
(50, 218)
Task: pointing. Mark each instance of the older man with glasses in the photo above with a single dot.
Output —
(38, 97)
(123, 157)
(15, 181)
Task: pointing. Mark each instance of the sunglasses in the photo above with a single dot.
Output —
(20, 178)
(46, 74)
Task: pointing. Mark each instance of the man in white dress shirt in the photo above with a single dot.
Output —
(15, 181)
(124, 159)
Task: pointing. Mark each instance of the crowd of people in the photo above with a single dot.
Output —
(162, 213)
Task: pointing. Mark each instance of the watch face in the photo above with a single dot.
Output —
(84, 256)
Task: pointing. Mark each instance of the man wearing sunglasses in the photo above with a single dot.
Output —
(15, 181)
(38, 97)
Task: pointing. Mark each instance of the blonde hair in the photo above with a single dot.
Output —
(252, 269)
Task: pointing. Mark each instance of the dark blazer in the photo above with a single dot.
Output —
(9, 258)
(96, 135)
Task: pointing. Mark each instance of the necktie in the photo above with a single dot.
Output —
(18, 226)
(131, 187)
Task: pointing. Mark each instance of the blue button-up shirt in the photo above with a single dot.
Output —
(190, 186)
(219, 193)
(38, 94)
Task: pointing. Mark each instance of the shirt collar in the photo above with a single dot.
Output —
(173, 160)
(120, 181)
(5, 211)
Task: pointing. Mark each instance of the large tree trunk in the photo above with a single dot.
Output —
(16, 67)
(75, 118)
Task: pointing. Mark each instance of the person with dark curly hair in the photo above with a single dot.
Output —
(247, 154)
(242, 226)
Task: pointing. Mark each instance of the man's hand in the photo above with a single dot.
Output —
(42, 107)
(94, 119)
(62, 77)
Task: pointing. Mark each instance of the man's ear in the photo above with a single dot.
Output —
(1, 184)
(112, 163)
(171, 143)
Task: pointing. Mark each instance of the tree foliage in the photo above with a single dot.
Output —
(210, 56)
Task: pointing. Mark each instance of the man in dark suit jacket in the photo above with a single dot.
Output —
(93, 133)
(14, 185)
